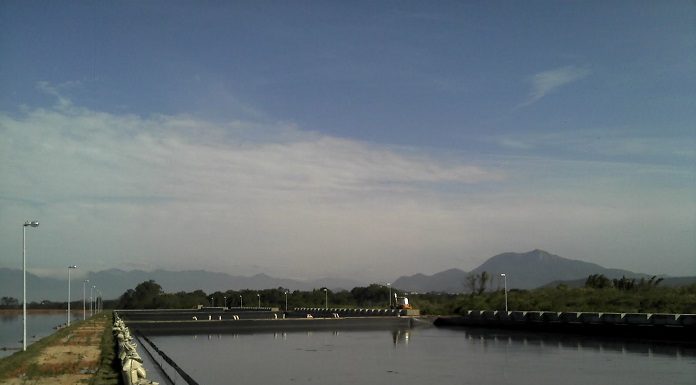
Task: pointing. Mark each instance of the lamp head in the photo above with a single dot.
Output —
(72, 267)
(502, 274)
(31, 223)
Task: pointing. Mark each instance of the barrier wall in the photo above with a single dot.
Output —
(132, 368)
(673, 327)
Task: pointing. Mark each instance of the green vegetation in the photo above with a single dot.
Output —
(38, 364)
(645, 298)
(109, 371)
(149, 295)
(599, 294)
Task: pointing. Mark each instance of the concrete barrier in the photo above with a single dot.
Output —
(611, 318)
(518, 316)
(664, 319)
(687, 319)
(551, 316)
(589, 318)
(636, 318)
(132, 368)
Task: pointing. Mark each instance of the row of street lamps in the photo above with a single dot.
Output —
(95, 304)
(258, 295)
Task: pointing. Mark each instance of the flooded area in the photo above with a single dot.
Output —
(424, 355)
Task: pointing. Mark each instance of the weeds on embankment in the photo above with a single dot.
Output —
(81, 353)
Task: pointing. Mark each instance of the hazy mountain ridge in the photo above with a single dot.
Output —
(529, 270)
(114, 282)
(524, 271)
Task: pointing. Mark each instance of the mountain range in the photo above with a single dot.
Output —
(523, 271)
(528, 270)
(114, 282)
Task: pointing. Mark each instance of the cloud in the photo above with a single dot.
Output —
(178, 192)
(546, 82)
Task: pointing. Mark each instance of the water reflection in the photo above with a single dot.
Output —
(578, 343)
(401, 337)
(427, 355)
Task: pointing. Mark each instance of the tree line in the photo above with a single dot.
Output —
(150, 295)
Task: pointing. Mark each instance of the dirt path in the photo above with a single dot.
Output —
(73, 358)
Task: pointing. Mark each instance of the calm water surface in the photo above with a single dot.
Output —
(424, 355)
(39, 325)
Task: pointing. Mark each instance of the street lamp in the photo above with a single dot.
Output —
(505, 282)
(286, 301)
(24, 278)
(212, 301)
(241, 301)
(225, 303)
(91, 301)
(326, 298)
(84, 297)
(69, 268)
(259, 295)
(389, 286)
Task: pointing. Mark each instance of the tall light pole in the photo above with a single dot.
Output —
(389, 286)
(212, 301)
(91, 301)
(241, 301)
(286, 301)
(84, 298)
(225, 303)
(505, 282)
(326, 298)
(69, 268)
(24, 279)
(259, 295)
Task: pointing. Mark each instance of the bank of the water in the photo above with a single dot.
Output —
(644, 326)
(40, 323)
(81, 353)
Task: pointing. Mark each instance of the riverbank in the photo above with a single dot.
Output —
(81, 353)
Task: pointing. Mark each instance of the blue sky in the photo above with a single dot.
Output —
(351, 139)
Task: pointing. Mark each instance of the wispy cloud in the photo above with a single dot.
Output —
(546, 82)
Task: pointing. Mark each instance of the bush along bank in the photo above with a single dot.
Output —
(132, 365)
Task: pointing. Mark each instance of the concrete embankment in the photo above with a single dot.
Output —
(219, 320)
(288, 324)
(668, 327)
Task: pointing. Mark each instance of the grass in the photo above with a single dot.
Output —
(109, 367)
(24, 363)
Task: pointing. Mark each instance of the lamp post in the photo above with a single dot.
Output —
(84, 298)
(505, 283)
(389, 286)
(225, 303)
(69, 268)
(24, 279)
(241, 301)
(259, 295)
(286, 301)
(91, 301)
(326, 298)
(212, 301)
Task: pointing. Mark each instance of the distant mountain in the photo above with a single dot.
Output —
(523, 270)
(114, 282)
(449, 281)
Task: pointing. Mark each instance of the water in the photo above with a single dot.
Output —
(424, 355)
(40, 323)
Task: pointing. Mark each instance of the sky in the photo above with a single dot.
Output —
(360, 139)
